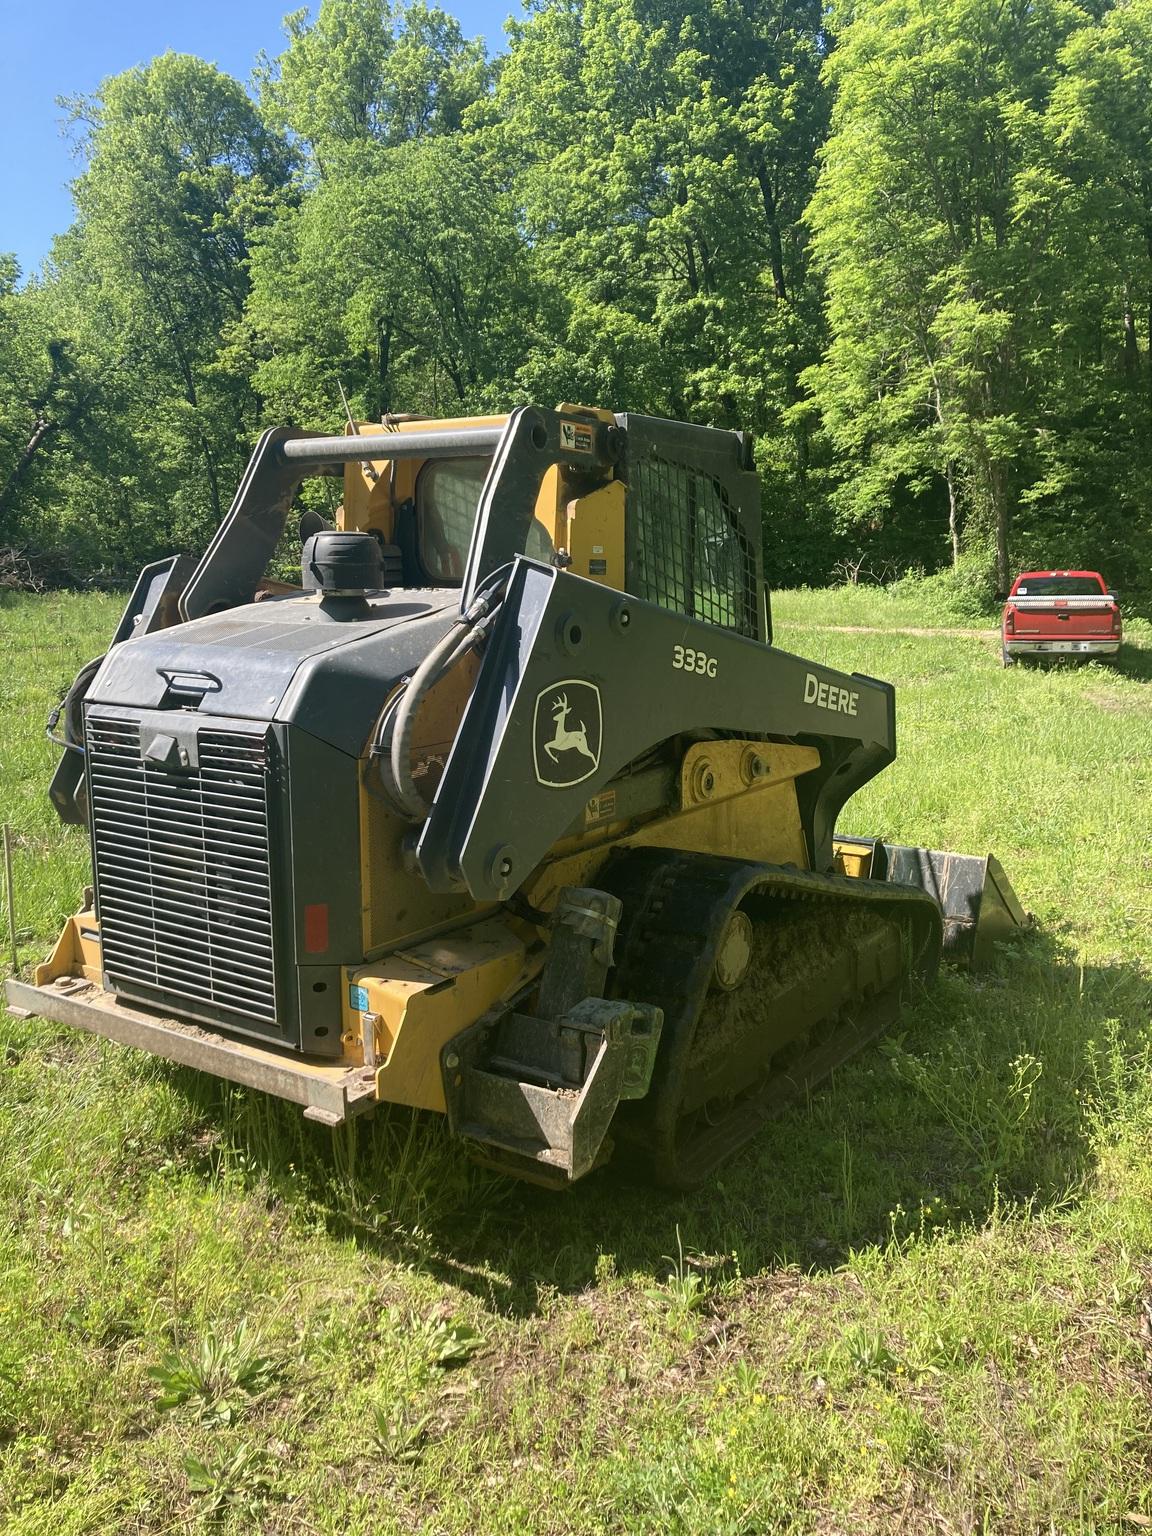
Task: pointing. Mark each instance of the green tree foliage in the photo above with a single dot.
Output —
(40, 396)
(181, 170)
(930, 223)
(149, 426)
(666, 153)
(908, 245)
(395, 276)
(399, 279)
(369, 71)
(1092, 487)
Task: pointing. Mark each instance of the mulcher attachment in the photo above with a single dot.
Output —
(535, 1093)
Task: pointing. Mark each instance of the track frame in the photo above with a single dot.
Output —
(677, 907)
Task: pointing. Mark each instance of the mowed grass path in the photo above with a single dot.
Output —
(917, 1304)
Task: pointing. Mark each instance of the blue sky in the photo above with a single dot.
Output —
(51, 48)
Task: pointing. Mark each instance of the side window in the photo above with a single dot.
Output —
(447, 495)
(690, 553)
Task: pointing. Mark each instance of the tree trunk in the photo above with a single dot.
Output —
(706, 265)
(1131, 344)
(998, 485)
(45, 428)
(383, 362)
(453, 370)
(690, 264)
(775, 244)
(802, 442)
(953, 511)
(213, 480)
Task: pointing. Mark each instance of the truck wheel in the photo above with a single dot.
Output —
(1006, 659)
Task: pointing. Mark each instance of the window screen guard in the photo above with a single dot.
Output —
(693, 524)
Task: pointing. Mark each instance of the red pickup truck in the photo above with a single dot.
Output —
(1060, 613)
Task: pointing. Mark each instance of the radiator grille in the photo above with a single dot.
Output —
(182, 869)
(690, 553)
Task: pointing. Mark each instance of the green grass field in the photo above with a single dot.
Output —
(921, 1303)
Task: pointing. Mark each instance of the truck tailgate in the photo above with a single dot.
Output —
(1069, 618)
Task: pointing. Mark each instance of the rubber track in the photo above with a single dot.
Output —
(676, 908)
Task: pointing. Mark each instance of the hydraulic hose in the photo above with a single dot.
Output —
(464, 633)
(68, 710)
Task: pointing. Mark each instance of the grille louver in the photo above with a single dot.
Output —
(182, 870)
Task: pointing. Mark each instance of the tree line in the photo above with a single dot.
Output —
(907, 243)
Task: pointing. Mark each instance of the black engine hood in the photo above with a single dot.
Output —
(282, 659)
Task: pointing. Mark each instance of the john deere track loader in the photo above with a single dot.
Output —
(511, 810)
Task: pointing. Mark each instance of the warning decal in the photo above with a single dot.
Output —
(576, 436)
(601, 807)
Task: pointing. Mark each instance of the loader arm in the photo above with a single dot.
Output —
(152, 606)
(629, 675)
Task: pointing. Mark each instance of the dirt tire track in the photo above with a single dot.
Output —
(881, 629)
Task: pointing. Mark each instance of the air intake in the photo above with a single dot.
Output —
(182, 871)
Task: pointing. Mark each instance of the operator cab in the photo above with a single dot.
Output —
(424, 511)
(422, 514)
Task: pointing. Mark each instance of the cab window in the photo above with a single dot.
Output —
(1059, 586)
(447, 496)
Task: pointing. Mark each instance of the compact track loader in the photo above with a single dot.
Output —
(511, 810)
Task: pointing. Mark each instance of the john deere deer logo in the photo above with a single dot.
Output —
(566, 733)
(566, 740)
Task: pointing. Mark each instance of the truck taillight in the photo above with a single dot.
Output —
(1010, 621)
(1115, 620)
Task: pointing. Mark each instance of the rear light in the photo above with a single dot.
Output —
(1115, 621)
(1010, 621)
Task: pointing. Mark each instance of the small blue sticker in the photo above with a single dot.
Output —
(358, 998)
